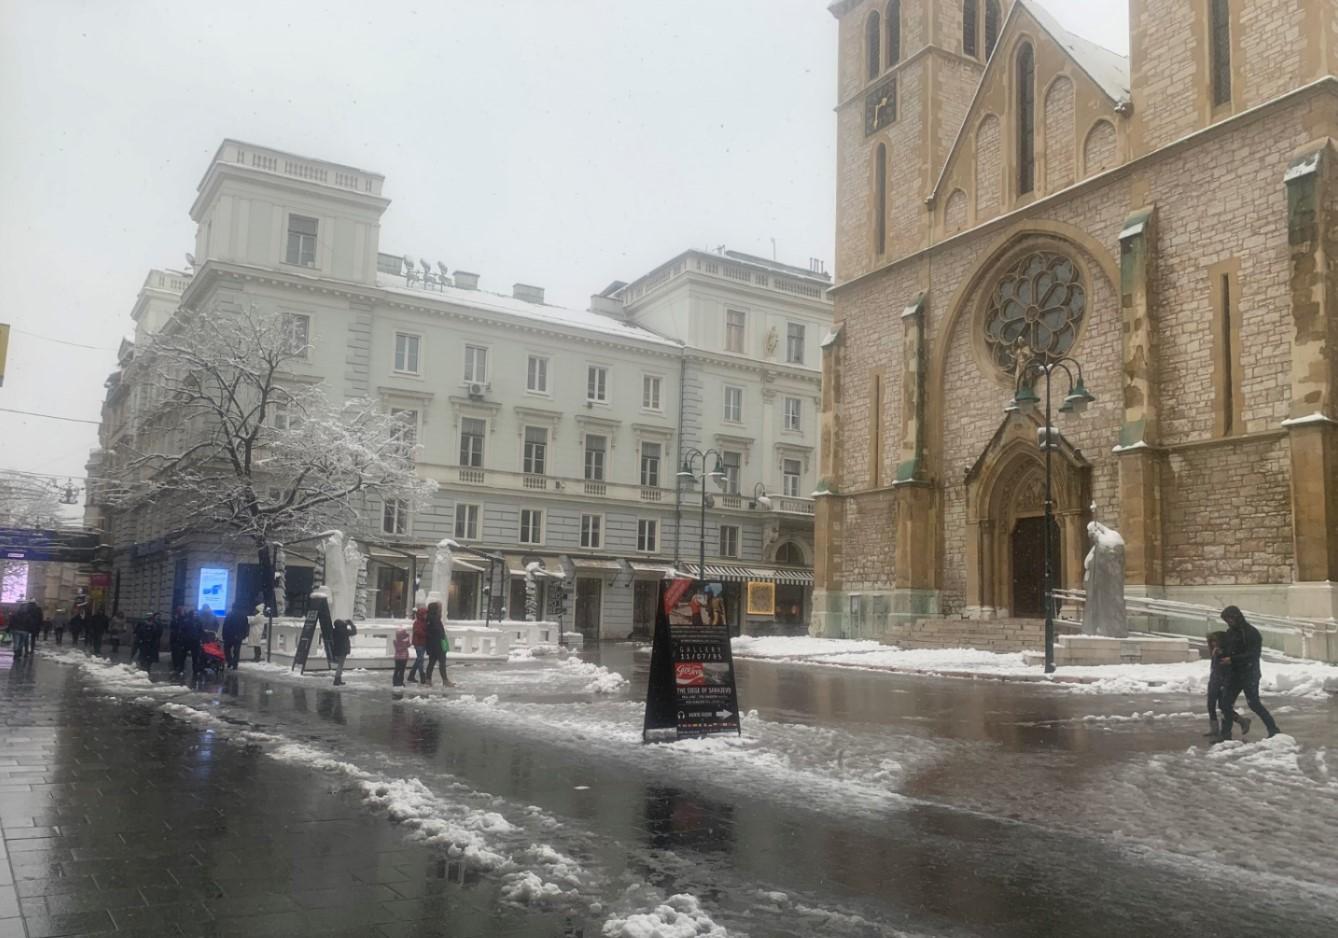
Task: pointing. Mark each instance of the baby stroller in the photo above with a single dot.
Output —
(212, 659)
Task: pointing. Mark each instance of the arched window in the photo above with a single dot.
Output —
(893, 32)
(880, 200)
(1026, 119)
(970, 12)
(1219, 34)
(873, 40)
(991, 26)
(789, 555)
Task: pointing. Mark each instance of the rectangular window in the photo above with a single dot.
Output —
(969, 14)
(735, 321)
(536, 375)
(1219, 30)
(467, 522)
(794, 343)
(647, 536)
(395, 516)
(729, 540)
(531, 526)
(650, 465)
(476, 364)
(734, 405)
(1224, 285)
(731, 463)
(597, 384)
(301, 241)
(297, 326)
(650, 392)
(791, 470)
(793, 410)
(592, 531)
(406, 352)
(472, 431)
(281, 416)
(536, 451)
(1026, 121)
(406, 427)
(596, 448)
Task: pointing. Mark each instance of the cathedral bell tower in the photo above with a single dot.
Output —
(907, 72)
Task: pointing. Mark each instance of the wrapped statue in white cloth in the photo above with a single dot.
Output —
(442, 563)
(1103, 578)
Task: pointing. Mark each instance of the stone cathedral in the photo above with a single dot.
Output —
(1168, 221)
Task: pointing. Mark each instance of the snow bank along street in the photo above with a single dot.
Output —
(854, 803)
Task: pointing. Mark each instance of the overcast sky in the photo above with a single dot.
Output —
(565, 143)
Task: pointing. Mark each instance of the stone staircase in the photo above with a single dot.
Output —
(1000, 635)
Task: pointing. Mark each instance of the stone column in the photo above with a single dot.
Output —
(1139, 457)
(1312, 234)
(916, 558)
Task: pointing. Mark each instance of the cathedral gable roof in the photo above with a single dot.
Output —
(1107, 72)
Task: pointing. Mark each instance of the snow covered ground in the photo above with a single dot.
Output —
(1287, 676)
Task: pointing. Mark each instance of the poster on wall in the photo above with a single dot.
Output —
(213, 589)
(761, 598)
(691, 691)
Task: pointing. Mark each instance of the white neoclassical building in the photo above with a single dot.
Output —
(554, 434)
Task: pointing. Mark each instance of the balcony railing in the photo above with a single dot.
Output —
(472, 476)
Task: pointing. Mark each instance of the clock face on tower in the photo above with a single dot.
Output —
(880, 107)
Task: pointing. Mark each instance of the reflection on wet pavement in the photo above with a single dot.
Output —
(854, 804)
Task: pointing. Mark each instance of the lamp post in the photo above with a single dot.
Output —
(1025, 402)
(760, 497)
(688, 474)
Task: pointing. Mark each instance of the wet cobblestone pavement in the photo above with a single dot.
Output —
(521, 802)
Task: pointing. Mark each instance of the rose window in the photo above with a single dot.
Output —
(1038, 306)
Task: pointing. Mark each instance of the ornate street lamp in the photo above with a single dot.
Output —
(1025, 401)
(689, 474)
(760, 497)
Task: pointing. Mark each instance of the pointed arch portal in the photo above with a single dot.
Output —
(1005, 498)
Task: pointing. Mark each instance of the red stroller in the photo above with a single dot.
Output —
(212, 659)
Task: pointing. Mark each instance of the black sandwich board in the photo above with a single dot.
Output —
(691, 690)
(317, 615)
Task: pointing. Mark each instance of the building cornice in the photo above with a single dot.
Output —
(1327, 84)
(214, 271)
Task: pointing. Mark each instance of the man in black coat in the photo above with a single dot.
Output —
(1243, 647)
(97, 627)
(236, 627)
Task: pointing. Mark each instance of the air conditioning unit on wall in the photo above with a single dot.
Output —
(476, 391)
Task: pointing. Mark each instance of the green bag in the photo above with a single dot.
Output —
(445, 645)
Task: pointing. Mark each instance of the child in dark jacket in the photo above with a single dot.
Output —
(1219, 690)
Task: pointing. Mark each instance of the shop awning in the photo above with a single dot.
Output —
(596, 566)
(550, 571)
(736, 573)
(469, 566)
(653, 569)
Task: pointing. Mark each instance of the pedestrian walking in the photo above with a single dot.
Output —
(1219, 684)
(257, 633)
(204, 627)
(116, 632)
(35, 618)
(78, 624)
(1244, 645)
(97, 628)
(179, 639)
(340, 646)
(46, 627)
(59, 623)
(419, 643)
(436, 644)
(403, 637)
(18, 630)
(148, 640)
(236, 626)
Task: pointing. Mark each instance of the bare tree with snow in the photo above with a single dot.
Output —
(234, 439)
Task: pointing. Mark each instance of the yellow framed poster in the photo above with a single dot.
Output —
(761, 598)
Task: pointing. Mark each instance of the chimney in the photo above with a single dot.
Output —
(528, 293)
(464, 280)
(607, 306)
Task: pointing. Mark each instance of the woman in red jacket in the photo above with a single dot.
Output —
(419, 643)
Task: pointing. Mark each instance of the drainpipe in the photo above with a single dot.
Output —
(678, 486)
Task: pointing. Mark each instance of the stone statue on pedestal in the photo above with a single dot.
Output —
(1103, 578)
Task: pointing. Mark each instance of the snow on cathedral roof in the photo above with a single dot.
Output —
(1108, 69)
